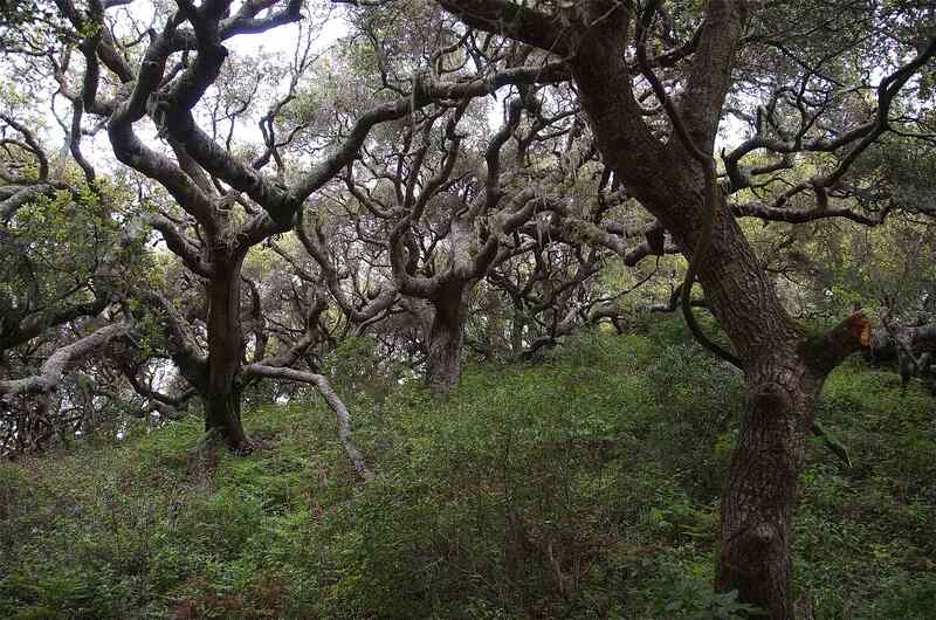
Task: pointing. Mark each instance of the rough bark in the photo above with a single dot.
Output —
(225, 352)
(758, 505)
(447, 337)
(759, 501)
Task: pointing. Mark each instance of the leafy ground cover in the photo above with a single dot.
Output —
(582, 487)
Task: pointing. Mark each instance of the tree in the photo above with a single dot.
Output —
(673, 175)
(446, 225)
(433, 208)
(230, 202)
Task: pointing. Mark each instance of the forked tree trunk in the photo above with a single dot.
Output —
(225, 352)
(447, 337)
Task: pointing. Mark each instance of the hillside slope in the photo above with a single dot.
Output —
(583, 487)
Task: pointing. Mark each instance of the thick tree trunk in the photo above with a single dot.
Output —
(447, 337)
(758, 505)
(225, 353)
(783, 383)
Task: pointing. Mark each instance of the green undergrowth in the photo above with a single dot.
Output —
(583, 487)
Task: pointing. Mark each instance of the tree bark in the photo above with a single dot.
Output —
(783, 378)
(755, 554)
(783, 385)
(225, 352)
(447, 336)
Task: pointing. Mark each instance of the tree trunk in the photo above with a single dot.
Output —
(225, 353)
(758, 505)
(783, 384)
(446, 337)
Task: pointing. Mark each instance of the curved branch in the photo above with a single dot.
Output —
(180, 245)
(334, 402)
(772, 213)
(54, 367)
(320, 254)
(34, 324)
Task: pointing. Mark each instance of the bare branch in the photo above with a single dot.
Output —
(334, 402)
(56, 364)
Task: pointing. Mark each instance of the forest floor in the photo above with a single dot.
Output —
(585, 486)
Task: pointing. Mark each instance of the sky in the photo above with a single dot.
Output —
(139, 14)
(279, 42)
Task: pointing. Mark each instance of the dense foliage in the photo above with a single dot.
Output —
(208, 207)
(583, 487)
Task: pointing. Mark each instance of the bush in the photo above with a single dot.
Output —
(583, 487)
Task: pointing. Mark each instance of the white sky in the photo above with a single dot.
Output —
(279, 42)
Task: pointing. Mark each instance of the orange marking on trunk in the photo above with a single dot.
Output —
(859, 328)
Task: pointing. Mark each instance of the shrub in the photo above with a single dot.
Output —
(582, 487)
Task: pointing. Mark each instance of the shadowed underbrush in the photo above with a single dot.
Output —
(583, 487)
